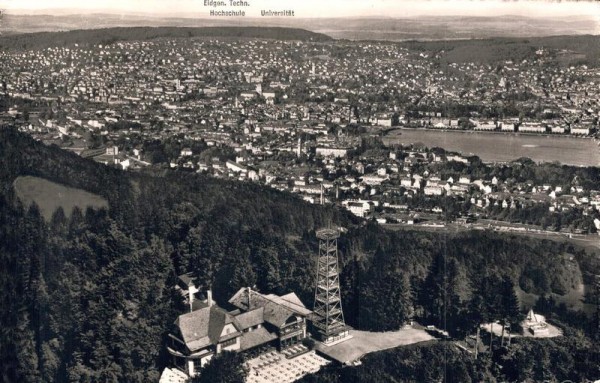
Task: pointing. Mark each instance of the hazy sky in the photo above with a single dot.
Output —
(316, 8)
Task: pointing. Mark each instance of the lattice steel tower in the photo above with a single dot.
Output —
(328, 319)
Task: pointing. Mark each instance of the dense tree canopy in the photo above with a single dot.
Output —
(89, 296)
(224, 368)
(526, 360)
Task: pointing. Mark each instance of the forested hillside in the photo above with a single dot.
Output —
(572, 358)
(90, 298)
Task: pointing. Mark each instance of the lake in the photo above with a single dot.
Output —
(500, 147)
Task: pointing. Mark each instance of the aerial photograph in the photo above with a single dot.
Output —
(278, 191)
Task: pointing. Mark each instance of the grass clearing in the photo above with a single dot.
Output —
(365, 342)
(49, 196)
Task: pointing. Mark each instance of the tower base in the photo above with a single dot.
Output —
(335, 339)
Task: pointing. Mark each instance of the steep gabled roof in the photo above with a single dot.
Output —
(292, 301)
(255, 338)
(194, 328)
(276, 314)
(276, 309)
(250, 318)
(203, 327)
(187, 279)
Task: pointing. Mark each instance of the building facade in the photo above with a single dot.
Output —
(256, 320)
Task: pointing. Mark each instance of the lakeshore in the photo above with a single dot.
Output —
(504, 147)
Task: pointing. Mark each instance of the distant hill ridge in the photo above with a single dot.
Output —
(577, 49)
(583, 49)
(40, 40)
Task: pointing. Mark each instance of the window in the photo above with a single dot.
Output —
(228, 343)
(197, 365)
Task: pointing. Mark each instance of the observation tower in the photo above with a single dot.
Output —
(328, 317)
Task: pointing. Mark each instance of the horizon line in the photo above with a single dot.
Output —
(188, 15)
